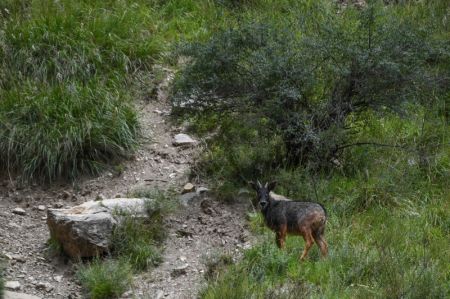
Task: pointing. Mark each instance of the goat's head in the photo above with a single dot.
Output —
(262, 192)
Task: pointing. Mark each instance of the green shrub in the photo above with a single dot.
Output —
(107, 279)
(305, 79)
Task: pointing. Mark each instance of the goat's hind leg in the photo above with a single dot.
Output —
(309, 241)
(322, 243)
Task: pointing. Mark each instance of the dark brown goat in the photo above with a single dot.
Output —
(306, 219)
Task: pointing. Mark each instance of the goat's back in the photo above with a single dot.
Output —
(297, 215)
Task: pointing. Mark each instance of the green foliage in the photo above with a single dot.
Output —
(137, 240)
(108, 279)
(305, 78)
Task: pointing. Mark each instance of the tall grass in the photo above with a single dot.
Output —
(62, 130)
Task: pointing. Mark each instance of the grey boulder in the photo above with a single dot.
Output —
(85, 230)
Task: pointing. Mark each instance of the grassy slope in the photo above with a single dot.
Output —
(68, 73)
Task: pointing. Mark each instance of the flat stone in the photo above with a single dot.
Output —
(188, 188)
(178, 271)
(44, 286)
(202, 190)
(183, 139)
(41, 208)
(187, 198)
(16, 257)
(14, 295)
(159, 294)
(13, 285)
(19, 211)
(58, 278)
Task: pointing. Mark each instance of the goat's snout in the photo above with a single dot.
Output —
(263, 204)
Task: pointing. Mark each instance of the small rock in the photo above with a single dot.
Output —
(159, 294)
(58, 205)
(19, 211)
(188, 188)
(181, 270)
(41, 208)
(188, 198)
(182, 258)
(183, 139)
(13, 285)
(14, 295)
(58, 278)
(184, 233)
(201, 190)
(127, 294)
(44, 286)
(100, 197)
(65, 195)
(206, 206)
(18, 258)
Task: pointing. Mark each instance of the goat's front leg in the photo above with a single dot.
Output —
(281, 236)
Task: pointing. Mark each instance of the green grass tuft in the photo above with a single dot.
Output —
(107, 279)
(60, 131)
(139, 240)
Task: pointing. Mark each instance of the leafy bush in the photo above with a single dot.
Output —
(305, 83)
(108, 279)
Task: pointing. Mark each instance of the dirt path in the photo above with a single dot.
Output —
(195, 231)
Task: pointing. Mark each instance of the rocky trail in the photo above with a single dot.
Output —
(200, 228)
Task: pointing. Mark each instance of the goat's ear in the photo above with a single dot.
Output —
(253, 185)
(271, 185)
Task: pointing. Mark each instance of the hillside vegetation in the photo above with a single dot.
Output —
(342, 104)
(69, 71)
(346, 106)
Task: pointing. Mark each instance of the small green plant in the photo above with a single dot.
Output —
(54, 248)
(105, 279)
(135, 240)
(138, 239)
(216, 263)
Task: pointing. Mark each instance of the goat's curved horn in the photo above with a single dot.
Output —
(259, 184)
